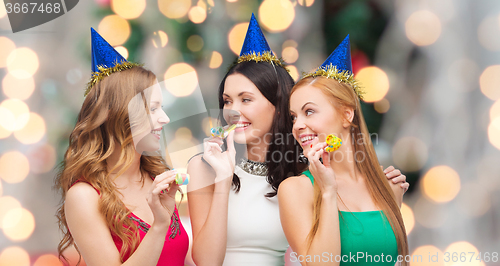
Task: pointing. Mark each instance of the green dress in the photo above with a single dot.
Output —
(366, 238)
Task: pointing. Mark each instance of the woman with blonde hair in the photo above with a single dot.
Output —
(350, 215)
(119, 204)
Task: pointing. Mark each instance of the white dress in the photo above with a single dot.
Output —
(254, 232)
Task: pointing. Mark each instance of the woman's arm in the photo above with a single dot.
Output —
(208, 195)
(208, 209)
(295, 197)
(93, 238)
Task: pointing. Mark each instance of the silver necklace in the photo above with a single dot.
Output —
(253, 168)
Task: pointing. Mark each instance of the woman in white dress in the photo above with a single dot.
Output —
(241, 226)
(232, 194)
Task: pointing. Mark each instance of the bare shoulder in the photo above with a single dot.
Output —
(81, 203)
(81, 194)
(296, 205)
(197, 165)
(296, 185)
(88, 226)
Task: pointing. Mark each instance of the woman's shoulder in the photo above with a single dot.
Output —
(198, 164)
(196, 160)
(81, 207)
(81, 194)
(299, 180)
(296, 193)
(296, 185)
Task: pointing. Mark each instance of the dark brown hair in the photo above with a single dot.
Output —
(275, 83)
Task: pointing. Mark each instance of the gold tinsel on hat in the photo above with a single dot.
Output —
(264, 57)
(344, 76)
(106, 71)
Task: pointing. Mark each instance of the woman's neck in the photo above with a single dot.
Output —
(257, 151)
(343, 162)
(131, 174)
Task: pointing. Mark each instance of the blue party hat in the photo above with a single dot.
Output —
(255, 47)
(255, 42)
(103, 54)
(105, 60)
(340, 57)
(338, 66)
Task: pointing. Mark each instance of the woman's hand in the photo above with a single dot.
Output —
(396, 177)
(161, 197)
(322, 172)
(222, 162)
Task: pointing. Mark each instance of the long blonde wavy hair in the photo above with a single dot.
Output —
(104, 124)
(379, 189)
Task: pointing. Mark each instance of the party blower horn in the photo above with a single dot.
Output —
(182, 179)
(333, 142)
(220, 132)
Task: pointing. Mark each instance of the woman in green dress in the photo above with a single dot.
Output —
(350, 215)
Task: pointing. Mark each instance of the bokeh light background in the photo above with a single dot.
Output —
(431, 70)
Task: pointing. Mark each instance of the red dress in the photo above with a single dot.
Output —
(176, 242)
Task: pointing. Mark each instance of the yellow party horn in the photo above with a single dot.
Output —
(333, 142)
(229, 129)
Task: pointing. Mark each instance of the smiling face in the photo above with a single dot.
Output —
(147, 124)
(315, 116)
(245, 106)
